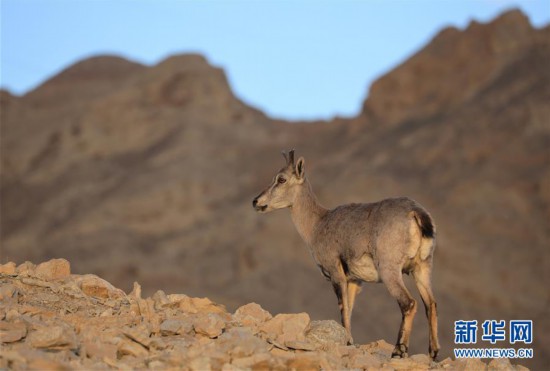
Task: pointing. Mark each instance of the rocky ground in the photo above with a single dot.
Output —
(52, 319)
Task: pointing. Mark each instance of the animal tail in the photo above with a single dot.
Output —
(425, 222)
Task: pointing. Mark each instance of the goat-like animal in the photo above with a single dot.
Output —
(366, 242)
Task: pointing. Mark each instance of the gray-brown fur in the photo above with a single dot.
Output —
(367, 242)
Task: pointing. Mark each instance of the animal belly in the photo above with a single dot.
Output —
(364, 269)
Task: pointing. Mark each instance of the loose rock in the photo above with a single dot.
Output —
(326, 332)
(209, 324)
(12, 332)
(92, 285)
(286, 327)
(53, 270)
(26, 269)
(251, 314)
(175, 327)
(54, 337)
(7, 291)
(8, 268)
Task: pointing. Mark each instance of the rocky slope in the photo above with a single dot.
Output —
(138, 173)
(52, 319)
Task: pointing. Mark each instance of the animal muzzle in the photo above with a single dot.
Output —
(257, 206)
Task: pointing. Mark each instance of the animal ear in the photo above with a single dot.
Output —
(300, 168)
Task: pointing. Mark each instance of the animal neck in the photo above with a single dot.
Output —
(306, 212)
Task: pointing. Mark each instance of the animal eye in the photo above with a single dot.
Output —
(281, 180)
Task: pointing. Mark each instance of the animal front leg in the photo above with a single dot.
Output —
(340, 285)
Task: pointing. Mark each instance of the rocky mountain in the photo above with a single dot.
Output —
(52, 319)
(139, 173)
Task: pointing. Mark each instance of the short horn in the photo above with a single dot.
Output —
(291, 157)
(285, 156)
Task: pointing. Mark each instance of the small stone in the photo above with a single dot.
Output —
(26, 269)
(7, 291)
(12, 315)
(8, 268)
(12, 332)
(127, 347)
(286, 327)
(380, 347)
(186, 305)
(136, 291)
(252, 314)
(160, 299)
(207, 305)
(241, 342)
(175, 327)
(54, 337)
(209, 324)
(53, 270)
(327, 332)
(92, 285)
(196, 305)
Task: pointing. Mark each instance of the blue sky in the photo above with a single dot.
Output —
(291, 59)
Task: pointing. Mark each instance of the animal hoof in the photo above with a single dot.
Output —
(433, 353)
(400, 351)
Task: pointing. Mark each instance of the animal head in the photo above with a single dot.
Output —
(285, 186)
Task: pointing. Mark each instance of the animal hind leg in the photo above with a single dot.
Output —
(422, 277)
(394, 282)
